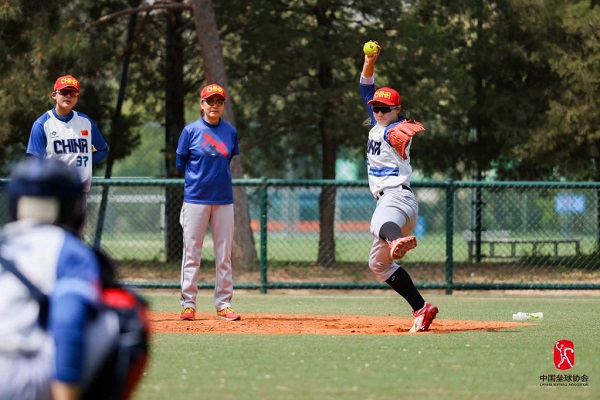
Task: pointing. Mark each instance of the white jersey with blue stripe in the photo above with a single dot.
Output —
(386, 168)
(66, 138)
(50, 258)
(19, 331)
(61, 266)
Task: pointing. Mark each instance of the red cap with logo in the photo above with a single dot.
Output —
(212, 90)
(66, 81)
(387, 96)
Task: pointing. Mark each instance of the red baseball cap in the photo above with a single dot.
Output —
(65, 82)
(387, 96)
(212, 90)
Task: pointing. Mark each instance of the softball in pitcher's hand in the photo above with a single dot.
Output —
(370, 48)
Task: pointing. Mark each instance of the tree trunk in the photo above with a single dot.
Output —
(174, 124)
(478, 205)
(244, 251)
(326, 256)
(598, 222)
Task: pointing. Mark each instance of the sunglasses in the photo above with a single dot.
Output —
(212, 102)
(68, 92)
(383, 110)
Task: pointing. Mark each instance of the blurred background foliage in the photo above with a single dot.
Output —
(508, 89)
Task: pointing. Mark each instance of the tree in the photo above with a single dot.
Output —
(477, 87)
(567, 143)
(170, 50)
(506, 86)
(174, 94)
(297, 72)
(521, 69)
(244, 250)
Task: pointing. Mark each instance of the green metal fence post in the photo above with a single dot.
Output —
(264, 197)
(449, 234)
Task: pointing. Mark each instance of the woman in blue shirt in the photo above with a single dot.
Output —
(204, 153)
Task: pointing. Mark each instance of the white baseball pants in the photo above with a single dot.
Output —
(195, 219)
(398, 206)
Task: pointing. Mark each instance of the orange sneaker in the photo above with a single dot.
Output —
(400, 246)
(228, 314)
(188, 314)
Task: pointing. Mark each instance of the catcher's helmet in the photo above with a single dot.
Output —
(47, 190)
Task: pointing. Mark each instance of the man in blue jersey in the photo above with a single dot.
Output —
(204, 153)
(49, 355)
(68, 135)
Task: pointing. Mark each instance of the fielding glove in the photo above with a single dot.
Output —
(399, 135)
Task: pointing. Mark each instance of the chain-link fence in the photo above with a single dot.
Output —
(315, 234)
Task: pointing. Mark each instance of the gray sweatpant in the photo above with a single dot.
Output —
(195, 219)
(399, 206)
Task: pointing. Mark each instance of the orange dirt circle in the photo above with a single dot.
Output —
(276, 324)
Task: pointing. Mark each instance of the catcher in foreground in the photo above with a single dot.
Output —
(389, 171)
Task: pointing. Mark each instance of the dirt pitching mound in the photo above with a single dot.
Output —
(288, 324)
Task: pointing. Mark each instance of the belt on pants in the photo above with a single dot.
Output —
(380, 193)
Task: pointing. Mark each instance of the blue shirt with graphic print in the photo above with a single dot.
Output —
(204, 153)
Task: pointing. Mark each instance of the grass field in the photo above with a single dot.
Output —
(504, 364)
(349, 248)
